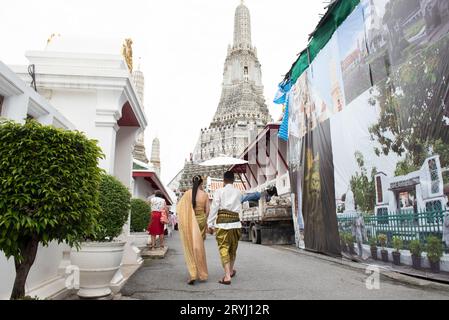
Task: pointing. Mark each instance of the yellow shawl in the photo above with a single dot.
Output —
(192, 239)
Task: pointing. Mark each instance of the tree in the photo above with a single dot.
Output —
(49, 181)
(363, 186)
(395, 13)
(414, 109)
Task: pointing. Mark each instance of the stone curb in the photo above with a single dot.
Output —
(360, 266)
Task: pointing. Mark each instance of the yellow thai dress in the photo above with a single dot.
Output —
(192, 229)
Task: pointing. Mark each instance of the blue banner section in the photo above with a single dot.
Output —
(281, 95)
(283, 130)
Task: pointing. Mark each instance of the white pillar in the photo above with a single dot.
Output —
(125, 142)
(106, 134)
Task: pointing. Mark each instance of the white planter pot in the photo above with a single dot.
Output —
(98, 262)
(140, 239)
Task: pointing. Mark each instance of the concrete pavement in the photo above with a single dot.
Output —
(264, 273)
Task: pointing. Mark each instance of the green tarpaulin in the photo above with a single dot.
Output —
(336, 14)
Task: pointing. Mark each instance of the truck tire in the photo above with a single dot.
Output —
(255, 235)
(246, 234)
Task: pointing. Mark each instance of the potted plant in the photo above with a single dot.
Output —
(140, 219)
(434, 253)
(100, 256)
(383, 243)
(373, 247)
(48, 191)
(397, 245)
(416, 251)
(350, 242)
(343, 242)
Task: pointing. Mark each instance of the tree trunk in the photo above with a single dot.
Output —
(28, 250)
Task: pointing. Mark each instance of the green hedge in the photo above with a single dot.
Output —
(115, 203)
(140, 215)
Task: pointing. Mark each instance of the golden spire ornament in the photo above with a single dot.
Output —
(127, 52)
(52, 36)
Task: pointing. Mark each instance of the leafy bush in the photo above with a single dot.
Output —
(140, 215)
(398, 244)
(349, 238)
(382, 240)
(434, 249)
(415, 248)
(373, 242)
(115, 203)
(49, 181)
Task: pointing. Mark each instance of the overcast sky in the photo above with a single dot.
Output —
(183, 46)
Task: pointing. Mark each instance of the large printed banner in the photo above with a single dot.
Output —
(369, 121)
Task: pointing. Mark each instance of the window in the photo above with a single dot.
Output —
(245, 73)
(434, 176)
(379, 190)
(433, 208)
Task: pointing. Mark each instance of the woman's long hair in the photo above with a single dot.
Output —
(197, 181)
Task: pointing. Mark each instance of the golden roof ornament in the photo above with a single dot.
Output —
(127, 52)
(52, 36)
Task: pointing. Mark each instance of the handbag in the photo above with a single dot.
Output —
(164, 218)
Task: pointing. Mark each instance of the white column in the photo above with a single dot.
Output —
(125, 142)
(420, 201)
(106, 133)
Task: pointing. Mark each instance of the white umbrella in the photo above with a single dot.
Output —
(222, 160)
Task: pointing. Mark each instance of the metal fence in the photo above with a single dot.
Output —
(406, 225)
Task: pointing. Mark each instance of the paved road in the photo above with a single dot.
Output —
(263, 273)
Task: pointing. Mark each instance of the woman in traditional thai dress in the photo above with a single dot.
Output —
(193, 211)
(158, 217)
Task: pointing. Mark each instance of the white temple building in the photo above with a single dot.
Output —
(419, 191)
(17, 102)
(85, 85)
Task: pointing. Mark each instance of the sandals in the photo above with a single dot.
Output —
(191, 282)
(222, 281)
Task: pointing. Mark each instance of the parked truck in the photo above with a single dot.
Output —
(269, 219)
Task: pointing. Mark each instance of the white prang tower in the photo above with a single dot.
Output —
(156, 156)
(139, 152)
(242, 111)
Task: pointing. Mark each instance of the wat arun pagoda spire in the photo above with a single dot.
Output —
(242, 27)
(242, 111)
